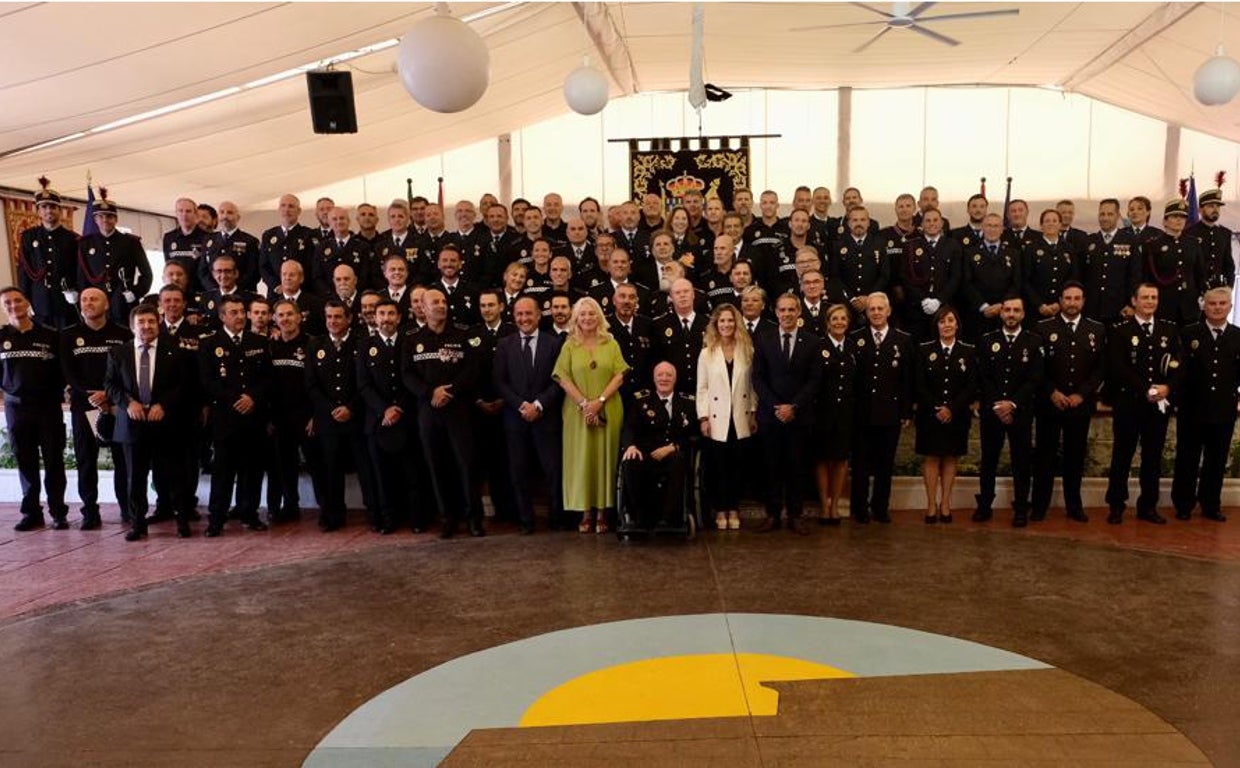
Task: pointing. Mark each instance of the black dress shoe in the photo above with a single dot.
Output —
(767, 525)
(525, 530)
(982, 516)
(59, 524)
(418, 529)
(135, 534)
(254, 524)
(1037, 516)
(476, 530)
(861, 519)
(1115, 517)
(1184, 515)
(91, 522)
(1151, 516)
(447, 531)
(385, 530)
(1019, 519)
(798, 526)
(159, 516)
(29, 523)
(213, 531)
(1078, 516)
(882, 517)
(1217, 517)
(183, 531)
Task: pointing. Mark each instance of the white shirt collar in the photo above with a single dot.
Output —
(1013, 334)
(885, 331)
(138, 343)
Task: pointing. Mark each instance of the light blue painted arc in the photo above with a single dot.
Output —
(420, 720)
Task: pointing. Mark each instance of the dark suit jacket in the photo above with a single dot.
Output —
(1211, 375)
(884, 377)
(516, 383)
(169, 383)
(780, 381)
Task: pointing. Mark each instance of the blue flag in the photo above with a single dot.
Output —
(88, 223)
(1194, 214)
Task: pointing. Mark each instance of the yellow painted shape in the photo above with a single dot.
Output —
(674, 688)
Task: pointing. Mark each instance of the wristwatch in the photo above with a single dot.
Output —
(602, 400)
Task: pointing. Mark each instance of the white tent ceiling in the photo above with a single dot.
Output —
(68, 67)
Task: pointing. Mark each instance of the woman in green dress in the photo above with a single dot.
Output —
(590, 369)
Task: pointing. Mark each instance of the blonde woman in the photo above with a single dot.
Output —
(727, 408)
(590, 369)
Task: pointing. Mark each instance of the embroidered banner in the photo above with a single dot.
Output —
(670, 173)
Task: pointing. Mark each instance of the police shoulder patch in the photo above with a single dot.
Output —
(419, 348)
(374, 351)
(322, 354)
(219, 351)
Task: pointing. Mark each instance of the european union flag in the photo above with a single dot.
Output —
(1194, 215)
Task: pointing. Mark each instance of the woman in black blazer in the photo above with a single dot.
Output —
(833, 426)
(945, 380)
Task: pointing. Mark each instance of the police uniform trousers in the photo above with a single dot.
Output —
(784, 449)
(541, 441)
(1132, 421)
(237, 464)
(494, 460)
(343, 446)
(1019, 437)
(283, 493)
(656, 489)
(395, 457)
(1201, 451)
(447, 441)
(38, 429)
(873, 459)
(86, 445)
(152, 453)
(1071, 428)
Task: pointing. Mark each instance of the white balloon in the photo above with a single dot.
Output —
(443, 64)
(1217, 80)
(586, 90)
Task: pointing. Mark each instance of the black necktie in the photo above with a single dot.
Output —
(993, 250)
(390, 343)
(685, 322)
(788, 346)
(1071, 328)
(1217, 333)
(667, 406)
(144, 376)
(946, 351)
(1147, 328)
(528, 350)
(1011, 338)
(340, 243)
(751, 325)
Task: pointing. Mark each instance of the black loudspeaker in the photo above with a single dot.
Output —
(331, 102)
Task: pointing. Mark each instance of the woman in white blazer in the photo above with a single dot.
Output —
(726, 408)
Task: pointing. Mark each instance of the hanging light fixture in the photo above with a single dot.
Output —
(443, 64)
(1217, 80)
(586, 89)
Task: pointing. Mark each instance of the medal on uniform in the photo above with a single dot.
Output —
(934, 356)
(81, 342)
(860, 342)
(1054, 337)
(1162, 343)
(419, 349)
(826, 354)
(977, 258)
(327, 251)
(994, 347)
(1195, 344)
(800, 322)
(274, 239)
(668, 333)
(649, 414)
(374, 351)
(219, 351)
(1024, 355)
(322, 355)
(1136, 341)
(475, 341)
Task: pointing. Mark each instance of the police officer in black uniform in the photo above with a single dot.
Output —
(1139, 226)
(287, 241)
(113, 262)
(928, 270)
(489, 406)
(1048, 262)
(1074, 351)
(235, 368)
(462, 295)
(47, 262)
(1206, 408)
(231, 240)
(33, 385)
(439, 368)
(1173, 262)
(433, 239)
(677, 336)
(1010, 373)
(1143, 371)
(331, 378)
(84, 352)
(859, 265)
(186, 244)
(633, 332)
(390, 423)
(343, 247)
(991, 272)
(224, 274)
(1110, 266)
(291, 414)
(1018, 233)
(654, 448)
(1214, 240)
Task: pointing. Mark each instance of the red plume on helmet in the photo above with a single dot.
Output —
(44, 182)
(1184, 188)
(1219, 178)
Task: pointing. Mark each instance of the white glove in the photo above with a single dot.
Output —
(930, 306)
(129, 297)
(71, 297)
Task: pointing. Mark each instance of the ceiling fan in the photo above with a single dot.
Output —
(906, 16)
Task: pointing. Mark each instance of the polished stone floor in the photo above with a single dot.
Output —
(251, 660)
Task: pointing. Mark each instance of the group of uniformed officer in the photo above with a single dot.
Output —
(371, 351)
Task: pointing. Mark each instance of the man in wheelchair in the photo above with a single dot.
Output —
(655, 455)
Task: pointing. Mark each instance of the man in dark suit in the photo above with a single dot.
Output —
(145, 382)
(331, 378)
(1206, 412)
(1074, 350)
(786, 372)
(532, 428)
(1010, 374)
(235, 368)
(884, 405)
(654, 446)
(1143, 371)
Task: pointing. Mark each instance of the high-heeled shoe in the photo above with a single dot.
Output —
(734, 521)
(931, 519)
(586, 525)
(721, 521)
(944, 517)
(600, 525)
